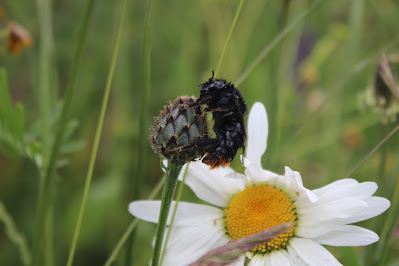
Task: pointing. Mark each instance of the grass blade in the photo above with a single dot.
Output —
(97, 136)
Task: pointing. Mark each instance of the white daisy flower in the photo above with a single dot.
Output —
(260, 199)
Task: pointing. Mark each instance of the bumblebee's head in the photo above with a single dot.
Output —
(212, 86)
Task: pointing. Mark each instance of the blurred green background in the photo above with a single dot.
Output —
(312, 83)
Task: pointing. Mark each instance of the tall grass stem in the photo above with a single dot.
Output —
(144, 100)
(143, 117)
(372, 151)
(232, 27)
(98, 132)
(47, 180)
(275, 41)
(132, 225)
(382, 253)
(45, 51)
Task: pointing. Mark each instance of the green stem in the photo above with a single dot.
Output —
(233, 25)
(46, 186)
(384, 150)
(143, 117)
(172, 174)
(49, 232)
(372, 151)
(144, 99)
(45, 50)
(275, 41)
(381, 223)
(177, 200)
(381, 256)
(97, 134)
(340, 85)
(132, 225)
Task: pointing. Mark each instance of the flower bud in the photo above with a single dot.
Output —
(18, 37)
(177, 129)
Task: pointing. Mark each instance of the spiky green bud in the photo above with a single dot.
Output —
(177, 129)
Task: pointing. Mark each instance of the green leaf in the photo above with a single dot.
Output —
(11, 122)
(5, 102)
(16, 238)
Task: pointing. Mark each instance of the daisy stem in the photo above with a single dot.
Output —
(132, 225)
(172, 174)
(177, 200)
(97, 136)
(233, 25)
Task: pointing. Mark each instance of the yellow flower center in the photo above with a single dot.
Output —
(257, 208)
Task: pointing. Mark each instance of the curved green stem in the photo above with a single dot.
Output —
(233, 25)
(172, 174)
(98, 134)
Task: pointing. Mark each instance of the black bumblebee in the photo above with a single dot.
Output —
(228, 107)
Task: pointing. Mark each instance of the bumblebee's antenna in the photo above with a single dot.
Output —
(213, 74)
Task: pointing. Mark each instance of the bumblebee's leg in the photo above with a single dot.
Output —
(227, 111)
(203, 144)
(199, 102)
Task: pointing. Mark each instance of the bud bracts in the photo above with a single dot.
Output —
(177, 129)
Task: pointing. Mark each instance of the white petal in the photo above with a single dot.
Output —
(256, 173)
(348, 236)
(244, 178)
(186, 214)
(258, 260)
(335, 185)
(362, 191)
(376, 206)
(313, 253)
(165, 163)
(320, 218)
(297, 260)
(315, 228)
(258, 130)
(270, 173)
(245, 160)
(280, 257)
(211, 185)
(294, 181)
(341, 208)
(189, 243)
